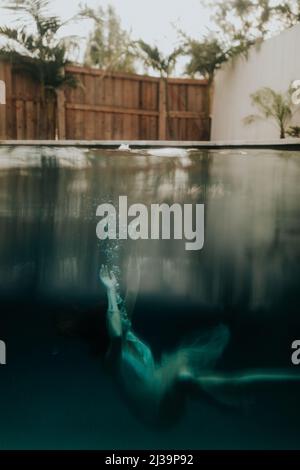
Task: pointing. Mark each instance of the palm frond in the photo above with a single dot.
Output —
(41, 53)
(154, 58)
(272, 105)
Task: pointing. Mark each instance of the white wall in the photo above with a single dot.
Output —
(274, 64)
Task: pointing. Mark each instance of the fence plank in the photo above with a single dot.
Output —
(61, 115)
(29, 119)
(20, 119)
(162, 110)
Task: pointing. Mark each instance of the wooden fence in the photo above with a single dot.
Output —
(24, 116)
(105, 106)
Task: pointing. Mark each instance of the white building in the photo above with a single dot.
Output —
(275, 64)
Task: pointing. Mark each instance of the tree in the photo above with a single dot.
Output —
(36, 48)
(109, 46)
(40, 52)
(246, 21)
(206, 56)
(272, 105)
(239, 24)
(153, 57)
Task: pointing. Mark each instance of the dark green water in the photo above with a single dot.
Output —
(54, 391)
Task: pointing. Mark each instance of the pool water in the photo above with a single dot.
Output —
(55, 392)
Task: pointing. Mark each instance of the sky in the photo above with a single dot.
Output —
(150, 20)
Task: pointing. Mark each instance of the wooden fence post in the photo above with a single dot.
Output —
(61, 115)
(2, 103)
(162, 109)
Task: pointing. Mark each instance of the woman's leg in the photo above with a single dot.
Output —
(236, 389)
(243, 381)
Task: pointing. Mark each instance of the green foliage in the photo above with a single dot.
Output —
(240, 24)
(293, 131)
(153, 57)
(109, 47)
(249, 20)
(205, 57)
(272, 105)
(208, 55)
(36, 47)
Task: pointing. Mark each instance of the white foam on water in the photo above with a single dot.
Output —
(168, 152)
(124, 147)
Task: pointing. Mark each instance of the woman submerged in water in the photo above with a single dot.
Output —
(158, 391)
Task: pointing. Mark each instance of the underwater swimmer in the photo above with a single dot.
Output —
(158, 391)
